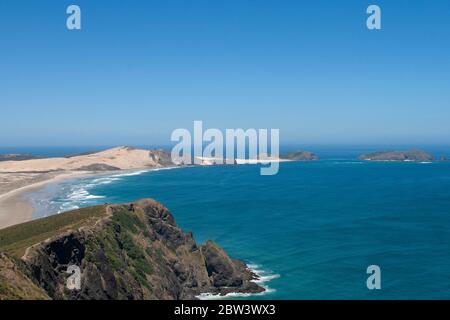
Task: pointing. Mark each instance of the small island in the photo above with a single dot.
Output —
(410, 155)
(300, 156)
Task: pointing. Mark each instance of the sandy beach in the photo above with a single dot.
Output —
(14, 207)
(14, 210)
(18, 178)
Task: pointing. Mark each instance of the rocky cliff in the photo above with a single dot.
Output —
(129, 251)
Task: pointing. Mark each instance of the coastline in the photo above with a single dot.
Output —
(17, 178)
(20, 178)
(262, 277)
(15, 208)
(15, 186)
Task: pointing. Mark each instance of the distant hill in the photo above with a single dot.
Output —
(17, 157)
(129, 251)
(120, 158)
(411, 155)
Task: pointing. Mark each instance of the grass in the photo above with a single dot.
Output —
(136, 254)
(114, 240)
(128, 220)
(16, 239)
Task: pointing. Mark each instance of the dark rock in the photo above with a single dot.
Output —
(135, 254)
(161, 157)
(220, 267)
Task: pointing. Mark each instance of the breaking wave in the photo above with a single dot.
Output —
(263, 277)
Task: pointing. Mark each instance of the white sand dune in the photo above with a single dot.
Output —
(20, 177)
(123, 158)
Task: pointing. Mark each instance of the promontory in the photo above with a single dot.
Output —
(132, 251)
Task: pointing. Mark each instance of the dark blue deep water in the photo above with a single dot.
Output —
(313, 229)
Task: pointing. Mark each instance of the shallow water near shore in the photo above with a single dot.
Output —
(312, 230)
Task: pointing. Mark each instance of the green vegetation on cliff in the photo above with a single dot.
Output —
(15, 284)
(14, 240)
(130, 251)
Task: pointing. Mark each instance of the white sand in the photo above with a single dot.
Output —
(14, 208)
(18, 178)
(121, 157)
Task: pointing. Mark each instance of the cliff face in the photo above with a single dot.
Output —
(136, 251)
(14, 284)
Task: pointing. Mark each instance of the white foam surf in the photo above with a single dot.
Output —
(262, 277)
(79, 194)
(130, 174)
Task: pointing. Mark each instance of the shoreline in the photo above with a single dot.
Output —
(262, 277)
(16, 207)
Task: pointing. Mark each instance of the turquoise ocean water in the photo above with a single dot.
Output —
(311, 230)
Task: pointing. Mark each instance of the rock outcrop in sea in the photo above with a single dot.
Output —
(300, 156)
(411, 155)
(129, 251)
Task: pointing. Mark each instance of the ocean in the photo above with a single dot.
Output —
(312, 230)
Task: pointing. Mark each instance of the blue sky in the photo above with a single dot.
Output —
(139, 69)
